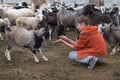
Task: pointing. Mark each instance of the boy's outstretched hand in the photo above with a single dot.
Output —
(63, 37)
(58, 40)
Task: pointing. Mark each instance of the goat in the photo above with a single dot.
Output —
(31, 39)
(66, 18)
(111, 34)
(95, 16)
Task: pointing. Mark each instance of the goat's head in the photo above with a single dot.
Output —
(104, 27)
(45, 33)
(88, 10)
(101, 28)
(40, 14)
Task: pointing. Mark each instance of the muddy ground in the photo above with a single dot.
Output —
(59, 66)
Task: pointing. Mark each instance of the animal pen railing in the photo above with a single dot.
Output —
(98, 2)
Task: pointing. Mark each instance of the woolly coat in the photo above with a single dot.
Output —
(90, 43)
(22, 36)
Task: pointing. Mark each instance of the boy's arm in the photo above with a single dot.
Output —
(64, 42)
(67, 39)
(68, 44)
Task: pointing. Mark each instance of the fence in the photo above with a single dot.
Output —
(111, 2)
(14, 1)
(106, 2)
(70, 1)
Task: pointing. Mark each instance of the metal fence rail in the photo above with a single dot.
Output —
(14, 1)
(111, 2)
(106, 2)
(70, 1)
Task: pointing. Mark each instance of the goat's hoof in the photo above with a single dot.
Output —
(37, 61)
(46, 60)
(112, 54)
(9, 59)
(2, 40)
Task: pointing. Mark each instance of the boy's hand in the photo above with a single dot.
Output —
(63, 37)
(59, 40)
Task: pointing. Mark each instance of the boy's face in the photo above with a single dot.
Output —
(80, 26)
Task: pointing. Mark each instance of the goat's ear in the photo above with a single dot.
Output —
(43, 12)
(7, 29)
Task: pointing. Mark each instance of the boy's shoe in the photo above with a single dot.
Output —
(92, 62)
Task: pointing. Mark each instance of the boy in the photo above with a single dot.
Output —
(90, 45)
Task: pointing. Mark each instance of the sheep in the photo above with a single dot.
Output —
(78, 8)
(31, 39)
(21, 5)
(13, 14)
(30, 22)
(44, 5)
(3, 22)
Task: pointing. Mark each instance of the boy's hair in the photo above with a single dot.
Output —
(81, 19)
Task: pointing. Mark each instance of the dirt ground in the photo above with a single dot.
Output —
(59, 66)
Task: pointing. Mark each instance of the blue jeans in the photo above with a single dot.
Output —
(73, 56)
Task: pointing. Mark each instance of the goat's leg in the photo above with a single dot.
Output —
(114, 49)
(7, 53)
(118, 48)
(68, 29)
(1, 36)
(35, 57)
(40, 50)
(118, 20)
(50, 32)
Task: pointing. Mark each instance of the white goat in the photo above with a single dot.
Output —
(31, 39)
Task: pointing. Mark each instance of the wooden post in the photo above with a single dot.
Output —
(97, 2)
(39, 2)
(1, 1)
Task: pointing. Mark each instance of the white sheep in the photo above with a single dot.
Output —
(22, 37)
(13, 14)
(30, 22)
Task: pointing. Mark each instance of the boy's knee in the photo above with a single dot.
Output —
(73, 55)
(70, 55)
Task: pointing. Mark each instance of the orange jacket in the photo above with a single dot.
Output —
(90, 43)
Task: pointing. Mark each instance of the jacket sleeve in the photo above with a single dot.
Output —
(80, 44)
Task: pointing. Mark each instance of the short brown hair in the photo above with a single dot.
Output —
(81, 19)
